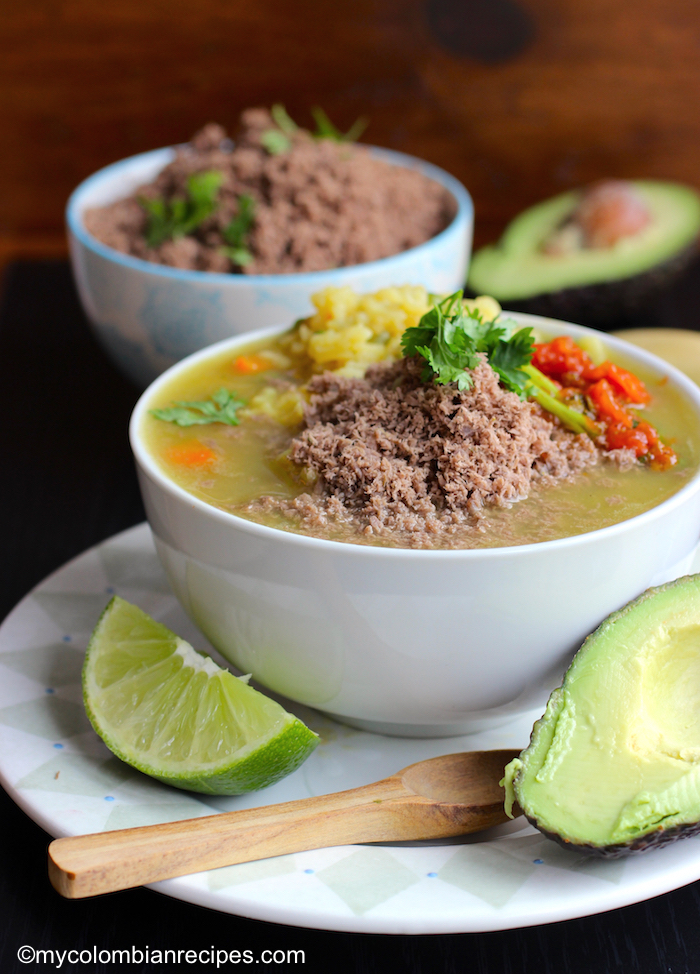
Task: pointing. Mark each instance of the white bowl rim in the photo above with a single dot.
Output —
(350, 549)
(315, 279)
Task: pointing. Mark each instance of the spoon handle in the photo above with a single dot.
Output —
(103, 862)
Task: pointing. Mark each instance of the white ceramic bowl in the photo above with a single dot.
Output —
(414, 642)
(148, 316)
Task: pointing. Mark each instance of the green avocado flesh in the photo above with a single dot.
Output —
(517, 268)
(614, 764)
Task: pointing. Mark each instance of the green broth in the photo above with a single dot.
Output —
(247, 465)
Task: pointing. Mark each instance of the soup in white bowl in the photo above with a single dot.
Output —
(411, 639)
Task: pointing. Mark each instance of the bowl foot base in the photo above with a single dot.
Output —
(456, 729)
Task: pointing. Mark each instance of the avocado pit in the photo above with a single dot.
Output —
(607, 212)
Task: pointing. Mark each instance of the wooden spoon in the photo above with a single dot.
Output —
(439, 797)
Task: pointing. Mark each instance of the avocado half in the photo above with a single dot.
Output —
(600, 287)
(613, 766)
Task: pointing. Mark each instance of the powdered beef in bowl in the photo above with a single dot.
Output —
(178, 248)
(408, 542)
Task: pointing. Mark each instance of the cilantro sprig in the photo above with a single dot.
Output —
(236, 233)
(325, 129)
(452, 341)
(278, 140)
(168, 219)
(221, 408)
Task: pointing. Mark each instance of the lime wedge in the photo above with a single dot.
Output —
(174, 714)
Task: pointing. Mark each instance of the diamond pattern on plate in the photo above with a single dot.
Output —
(74, 774)
(366, 878)
(249, 872)
(487, 871)
(52, 665)
(129, 816)
(48, 716)
(127, 566)
(611, 870)
(548, 853)
(73, 611)
(371, 889)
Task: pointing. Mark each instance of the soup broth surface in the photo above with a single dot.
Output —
(247, 465)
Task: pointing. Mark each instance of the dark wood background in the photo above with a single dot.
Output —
(519, 100)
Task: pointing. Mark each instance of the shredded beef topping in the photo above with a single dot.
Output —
(394, 454)
(318, 205)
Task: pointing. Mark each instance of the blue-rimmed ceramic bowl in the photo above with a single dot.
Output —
(148, 316)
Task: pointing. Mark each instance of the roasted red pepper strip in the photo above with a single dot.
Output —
(561, 356)
(644, 441)
(623, 382)
(606, 405)
(608, 388)
(636, 439)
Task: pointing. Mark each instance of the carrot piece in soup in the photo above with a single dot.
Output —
(249, 364)
(190, 453)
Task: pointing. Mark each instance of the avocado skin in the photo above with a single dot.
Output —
(652, 840)
(610, 304)
(659, 836)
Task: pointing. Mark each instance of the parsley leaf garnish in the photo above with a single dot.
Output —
(237, 231)
(168, 219)
(452, 340)
(221, 408)
(508, 356)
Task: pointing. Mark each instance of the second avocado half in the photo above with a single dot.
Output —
(613, 766)
(591, 280)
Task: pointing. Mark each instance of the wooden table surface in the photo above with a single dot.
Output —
(67, 483)
(520, 99)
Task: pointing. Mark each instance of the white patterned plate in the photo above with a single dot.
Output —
(56, 768)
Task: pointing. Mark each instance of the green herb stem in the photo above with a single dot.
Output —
(546, 393)
(573, 420)
(325, 129)
(282, 120)
(541, 380)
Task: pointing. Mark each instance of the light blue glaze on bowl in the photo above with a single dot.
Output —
(148, 316)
